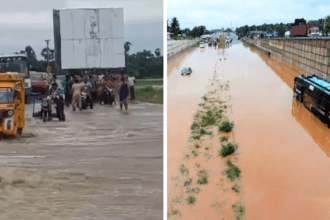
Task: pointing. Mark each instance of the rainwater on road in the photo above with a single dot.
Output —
(284, 149)
(99, 164)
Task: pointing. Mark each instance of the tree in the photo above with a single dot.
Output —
(299, 21)
(169, 29)
(30, 54)
(280, 30)
(157, 52)
(50, 54)
(175, 26)
(127, 47)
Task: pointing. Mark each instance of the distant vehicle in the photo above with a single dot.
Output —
(300, 30)
(38, 82)
(201, 44)
(314, 93)
(186, 71)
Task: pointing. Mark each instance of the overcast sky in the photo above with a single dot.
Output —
(216, 14)
(30, 22)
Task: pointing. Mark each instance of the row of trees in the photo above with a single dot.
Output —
(322, 24)
(144, 64)
(174, 27)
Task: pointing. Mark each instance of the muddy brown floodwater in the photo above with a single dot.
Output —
(284, 149)
(99, 164)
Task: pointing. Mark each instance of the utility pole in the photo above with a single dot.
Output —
(47, 41)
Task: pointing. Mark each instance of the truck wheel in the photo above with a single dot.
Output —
(327, 119)
(19, 131)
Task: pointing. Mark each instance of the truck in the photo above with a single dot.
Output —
(301, 30)
(89, 40)
(313, 92)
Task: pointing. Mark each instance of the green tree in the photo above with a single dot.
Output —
(157, 52)
(175, 26)
(280, 30)
(50, 54)
(127, 47)
(169, 29)
(299, 21)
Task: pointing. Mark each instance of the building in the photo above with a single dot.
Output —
(313, 31)
(255, 34)
(170, 35)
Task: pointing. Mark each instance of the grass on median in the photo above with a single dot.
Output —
(149, 94)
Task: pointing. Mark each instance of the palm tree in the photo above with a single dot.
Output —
(127, 48)
(157, 52)
(175, 26)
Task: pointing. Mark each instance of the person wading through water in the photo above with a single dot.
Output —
(123, 94)
(76, 93)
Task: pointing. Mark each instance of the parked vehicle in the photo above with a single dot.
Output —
(186, 71)
(12, 104)
(39, 82)
(52, 106)
(314, 93)
(201, 44)
(86, 99)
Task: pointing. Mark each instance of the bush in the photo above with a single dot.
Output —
(191, 199)
(208, 119)
(202, 177)
(226, 126)
(232, 170)
(224, 139)
(227, 149)
(194, 126)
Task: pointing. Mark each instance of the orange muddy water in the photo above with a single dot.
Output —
(284, 149)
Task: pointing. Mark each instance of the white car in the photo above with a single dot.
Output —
(201, 44)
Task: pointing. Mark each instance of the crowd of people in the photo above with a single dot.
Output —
(121, 85)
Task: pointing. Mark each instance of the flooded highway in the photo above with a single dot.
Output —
(99, 164)
(283, 148)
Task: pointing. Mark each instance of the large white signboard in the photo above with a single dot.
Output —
(92, 38)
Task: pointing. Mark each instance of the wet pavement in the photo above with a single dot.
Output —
(284, 149)
(99, 164)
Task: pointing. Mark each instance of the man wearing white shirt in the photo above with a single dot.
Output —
(131, 83)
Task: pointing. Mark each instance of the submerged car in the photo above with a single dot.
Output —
(186, 71)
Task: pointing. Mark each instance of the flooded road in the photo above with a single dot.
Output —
(284, 149)
(99, 164)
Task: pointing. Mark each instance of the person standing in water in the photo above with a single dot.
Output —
(123, 94)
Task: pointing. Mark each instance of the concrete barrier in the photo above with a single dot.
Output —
(177, 46)
(310, 55)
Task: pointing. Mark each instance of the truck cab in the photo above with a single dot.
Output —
(12, 104)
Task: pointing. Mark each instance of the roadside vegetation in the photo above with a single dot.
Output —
(226, 126)
(149, 94)
(227, 149)
(232, 171)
